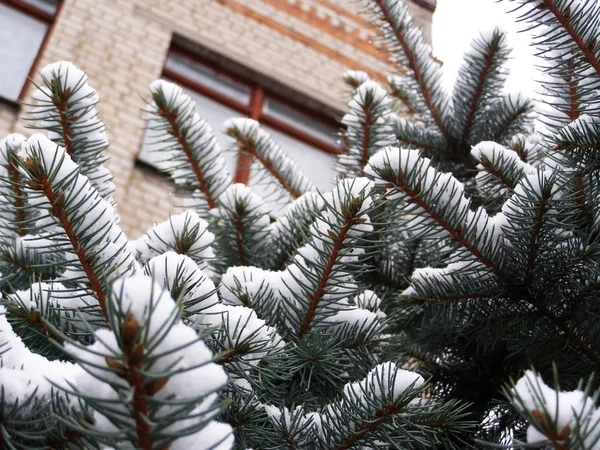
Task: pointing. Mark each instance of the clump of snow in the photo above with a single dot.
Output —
(184, 233)
(11, 143)
(25, 373)
(355, 77)
(566, 411)
(179, 274)
(86, 135)
(384, 380)
(170, 353)
(274, 173)
(191, 154)
(91, 218)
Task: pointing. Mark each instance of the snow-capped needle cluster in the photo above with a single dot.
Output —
(66, 109)
(275, 172)
(457, 252)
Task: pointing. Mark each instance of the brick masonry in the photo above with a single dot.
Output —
(122, 46)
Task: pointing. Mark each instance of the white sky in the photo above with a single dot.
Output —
(457, 22)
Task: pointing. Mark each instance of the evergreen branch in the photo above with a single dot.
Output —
(181, 138)
(67, 108)
(569, 334)
(13, 198)
(57, 200)
(380, 416)
(243, 224)
(132, 364)
(541, 209)
(354, 78)
(500, 170)
(186, 145)
(563, 16)
(574, 106)
(578, 137)
(416, 58)
(18, 196)
(480, 80)
(489, 167)
(417, 136)
(324, 268)
(254, 141)
(408, 173)
(338, 244)
(142, 375)
(367, 128)
(503, 119)
(88, 222)
(32, 318)
(289, 231)
(186, 234)
(399, 91)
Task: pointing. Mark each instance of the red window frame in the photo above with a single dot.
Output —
(253, 109)
(42, 16)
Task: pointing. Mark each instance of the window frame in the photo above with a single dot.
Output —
(44, 17)
(253, 110)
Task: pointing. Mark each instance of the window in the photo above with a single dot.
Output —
(307, 136)
(24, 25)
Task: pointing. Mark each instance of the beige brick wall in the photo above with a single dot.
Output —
(122, 45)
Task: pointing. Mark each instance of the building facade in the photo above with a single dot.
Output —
(277, 61)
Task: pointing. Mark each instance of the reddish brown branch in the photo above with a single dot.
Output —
(130, 369)
(315, 299)
(537, 228)
(33, 319)
(58, 210)
(565, 20)
(61, 105)
(479, 90)
(230, 355)
(249, 146)
(19, 202)
(187, 150)
(414, 67)
(573, 92)
(455, 233)
(380, 416)
(486, 163)
(365, 143)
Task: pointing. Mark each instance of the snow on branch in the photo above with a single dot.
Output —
(185, 233)
(242, 221)
(274, 164)
(13, 197)
(561, 419)
(149, 381)
(67, 110)
(186, 143)
(320, 280)
(367, 129)
(500, 170)
(66, 198)
(481, 77)
(407, 46)
(437, 204)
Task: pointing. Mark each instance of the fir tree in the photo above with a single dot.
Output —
(403, 308)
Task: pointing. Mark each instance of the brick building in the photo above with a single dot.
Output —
(278, 61)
